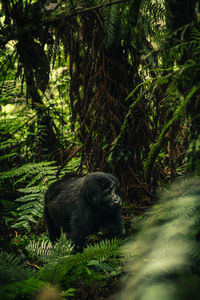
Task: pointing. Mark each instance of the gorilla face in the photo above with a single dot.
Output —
(112, 196)
(103, 190)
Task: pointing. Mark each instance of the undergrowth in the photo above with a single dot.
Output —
(57, 264)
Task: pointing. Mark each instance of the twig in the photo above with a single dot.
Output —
(68, 159)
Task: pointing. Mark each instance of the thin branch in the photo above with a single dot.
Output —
(68, 159)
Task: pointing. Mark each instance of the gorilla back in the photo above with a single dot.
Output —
(82, 204)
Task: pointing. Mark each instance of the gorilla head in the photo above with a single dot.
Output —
(101, 190)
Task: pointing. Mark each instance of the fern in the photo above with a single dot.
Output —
(16, 280)
(154, 9)
(166, 252)
(31, 207)
(36, 171)
(8, 146)
(12, 269)
(21, 289)
(45, 251)
(96, 262)
(111, 24)
(38, 176)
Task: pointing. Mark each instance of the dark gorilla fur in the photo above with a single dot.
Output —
(82, 204)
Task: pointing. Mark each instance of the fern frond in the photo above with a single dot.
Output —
(32, 190)
(29, 170)
(7, 156)
(167, 248)
(12, 269)
(38, 175)
(10, 89)
(155, 9)
(60, 262)
(31, 208)
(104, 249)
(111, 23)
(21, 289)
(40, 249)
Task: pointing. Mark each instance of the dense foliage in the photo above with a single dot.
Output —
(88, 86)
(166, 252)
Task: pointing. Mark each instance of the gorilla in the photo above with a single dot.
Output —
(82, 204)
